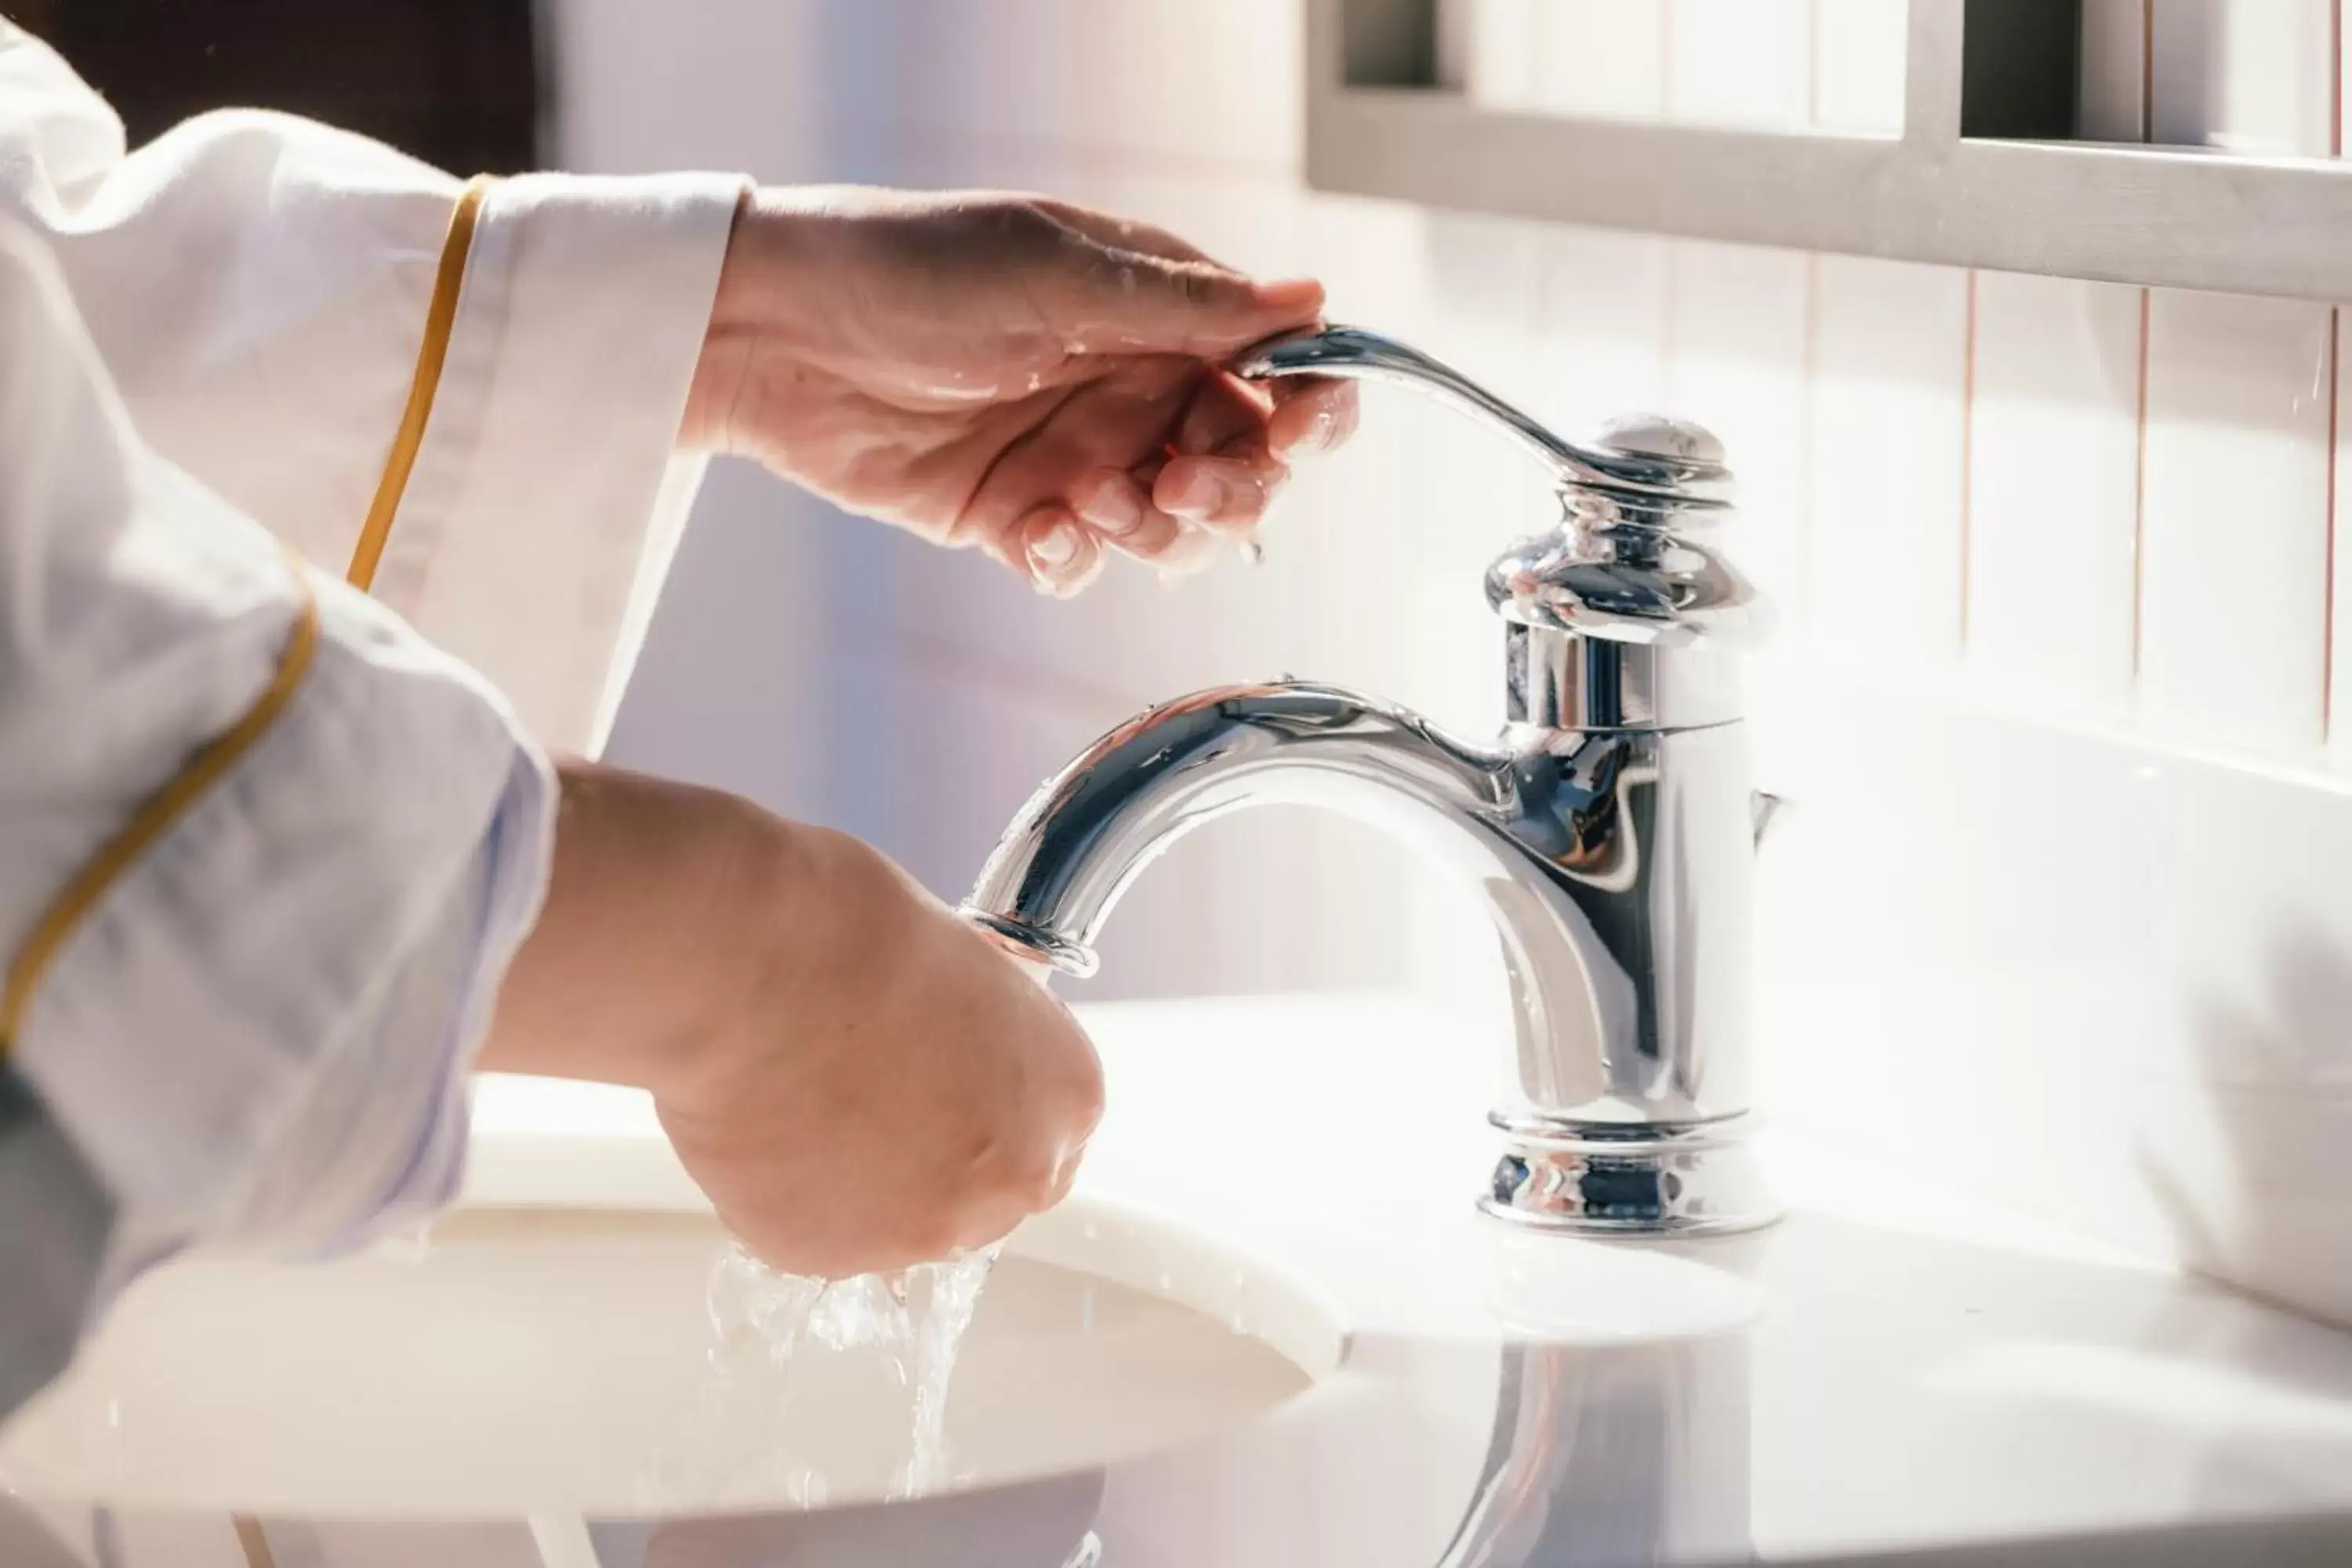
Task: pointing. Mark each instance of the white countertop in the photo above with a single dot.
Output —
(1918, 1371)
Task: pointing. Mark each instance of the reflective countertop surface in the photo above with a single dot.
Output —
(1894, 1372)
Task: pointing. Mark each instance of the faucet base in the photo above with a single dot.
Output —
(1621, 1179)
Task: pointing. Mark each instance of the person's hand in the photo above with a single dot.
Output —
(1005, 371)
(857, 1078)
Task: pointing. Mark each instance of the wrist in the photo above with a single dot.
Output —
(770, 291)
(719, 369)
(631, 966)
(817, 923)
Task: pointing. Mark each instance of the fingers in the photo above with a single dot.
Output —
(1215, 488)
(1183, 512)
(1009, 1195)
(1093, 465)
(1198, 308)
(1060, 554)
(1137, 287)
(1177, 547)
(1114, 508)
(1229, 494)
(1224, 471)
(1225, 413)
(1170, 463)
(1119, 505)
(1311, 415)
(1115, 233)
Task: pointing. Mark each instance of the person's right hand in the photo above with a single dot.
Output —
(1019, 374)
(857, 1078)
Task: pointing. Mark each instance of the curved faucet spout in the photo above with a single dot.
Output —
(1584, 845)
(1084, 837)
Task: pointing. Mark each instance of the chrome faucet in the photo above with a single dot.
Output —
(1610, 829)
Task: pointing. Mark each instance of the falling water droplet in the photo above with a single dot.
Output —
(912, 1323)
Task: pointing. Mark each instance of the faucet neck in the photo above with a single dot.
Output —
(1566, 680)
(1065, 860)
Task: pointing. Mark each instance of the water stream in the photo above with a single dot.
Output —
(882, 1346)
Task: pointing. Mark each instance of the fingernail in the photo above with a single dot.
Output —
(1113, 509)
(1194, 551)
(1300, 294)
(1057, 546)
(1199, 494)
(1075, 584)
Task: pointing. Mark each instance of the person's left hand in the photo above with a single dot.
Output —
(1007, 372)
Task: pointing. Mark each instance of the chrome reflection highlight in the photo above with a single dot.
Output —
(1639, 456)
(1609, 830)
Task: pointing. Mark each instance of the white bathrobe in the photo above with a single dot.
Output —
(252, 1028)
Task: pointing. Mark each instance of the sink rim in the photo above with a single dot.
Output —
(551, 1143)
(615, 1171)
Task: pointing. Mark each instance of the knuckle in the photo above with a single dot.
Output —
(1037, 225)
(1035, 1190)
(936, 1234)
(1020, 1177)
(1086, 1090)
(979, 1223)
(1018, 1174)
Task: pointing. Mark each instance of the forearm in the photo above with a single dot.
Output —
(620, 978)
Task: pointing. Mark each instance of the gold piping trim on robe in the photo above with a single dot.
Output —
(440, 321)
(253, 1540)
(156, 815)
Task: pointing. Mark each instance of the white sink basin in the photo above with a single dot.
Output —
(522, 1360)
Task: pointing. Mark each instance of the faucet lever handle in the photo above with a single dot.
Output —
(1648, 458)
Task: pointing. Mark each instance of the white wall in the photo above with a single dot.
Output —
(2065, 906)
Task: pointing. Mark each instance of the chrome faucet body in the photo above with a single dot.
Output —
(1609, 830)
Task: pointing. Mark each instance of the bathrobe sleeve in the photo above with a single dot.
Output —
(267, 843)
(258, 287)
